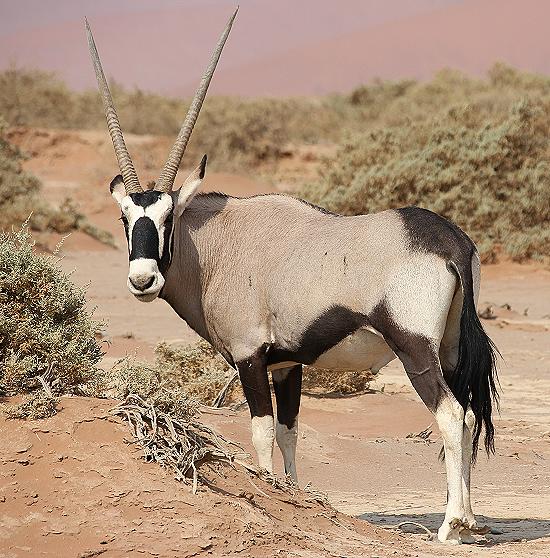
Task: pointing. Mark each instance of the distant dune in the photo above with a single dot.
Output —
(286, 47)
(469, 36)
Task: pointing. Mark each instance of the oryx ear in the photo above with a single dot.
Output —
(186, 193)
(118, 190)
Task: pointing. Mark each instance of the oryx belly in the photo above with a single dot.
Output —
(365, 349)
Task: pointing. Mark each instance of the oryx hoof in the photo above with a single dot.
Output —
(469, 528)
(449, 532)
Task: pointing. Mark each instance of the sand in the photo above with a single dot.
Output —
(71, 486)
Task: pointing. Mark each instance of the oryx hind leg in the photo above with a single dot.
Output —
(448, 353)
(287, 384)
(420, 357)
(423, 368)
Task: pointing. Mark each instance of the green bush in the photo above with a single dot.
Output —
(47, 337)
(486, 170)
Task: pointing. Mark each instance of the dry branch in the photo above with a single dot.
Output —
(183, 445)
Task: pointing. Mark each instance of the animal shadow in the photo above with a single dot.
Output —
(505, 530)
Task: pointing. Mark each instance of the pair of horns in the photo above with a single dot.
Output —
(166, 178)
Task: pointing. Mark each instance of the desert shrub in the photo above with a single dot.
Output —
(35, 405)
(195, 372)
(131, 378)
(35, 96)
(489, 174)
(19, 191)
(320, 381)
(47, 337)
(387, 103)
(237, 133)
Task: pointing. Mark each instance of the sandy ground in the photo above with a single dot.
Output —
(70, 486)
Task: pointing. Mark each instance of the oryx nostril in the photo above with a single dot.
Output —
(149, 283)
(143, 282)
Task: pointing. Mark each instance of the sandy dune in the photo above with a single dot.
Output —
(362, 451)
(278, 48)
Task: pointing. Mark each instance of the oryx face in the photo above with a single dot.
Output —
(147, 217)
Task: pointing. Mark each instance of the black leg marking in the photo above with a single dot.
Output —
(255, 382)
(423, 370)
(288, 391)
(417, 355)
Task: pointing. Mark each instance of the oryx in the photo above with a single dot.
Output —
(273, 283)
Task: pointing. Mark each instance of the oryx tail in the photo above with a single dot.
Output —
(474, 382)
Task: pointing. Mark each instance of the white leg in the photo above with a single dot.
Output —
(286, 440)
(469, 518)
(262, 437)
(450, 419)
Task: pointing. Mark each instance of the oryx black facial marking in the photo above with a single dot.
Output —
(145, 199)
(145, 240)
(147, 220)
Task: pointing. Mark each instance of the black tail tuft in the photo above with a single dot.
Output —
(474, 382)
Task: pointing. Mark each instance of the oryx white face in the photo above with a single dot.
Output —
(147, 218)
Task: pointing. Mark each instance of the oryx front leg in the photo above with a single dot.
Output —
(287, 383)
(255, 382)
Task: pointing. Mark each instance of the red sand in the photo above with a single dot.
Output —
(83, 490)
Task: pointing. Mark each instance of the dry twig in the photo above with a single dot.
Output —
(181, 444)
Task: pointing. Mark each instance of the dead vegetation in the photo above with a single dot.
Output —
(322, 382)
(175, 437)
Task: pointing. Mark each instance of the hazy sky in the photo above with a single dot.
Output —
(277, 47)
(19, 15)
(26, 14)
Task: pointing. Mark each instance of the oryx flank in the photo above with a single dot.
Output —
(274, 283)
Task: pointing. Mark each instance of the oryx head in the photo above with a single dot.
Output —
(149, 215)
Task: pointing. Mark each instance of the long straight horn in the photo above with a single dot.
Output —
(168, 174)
(125, 164)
